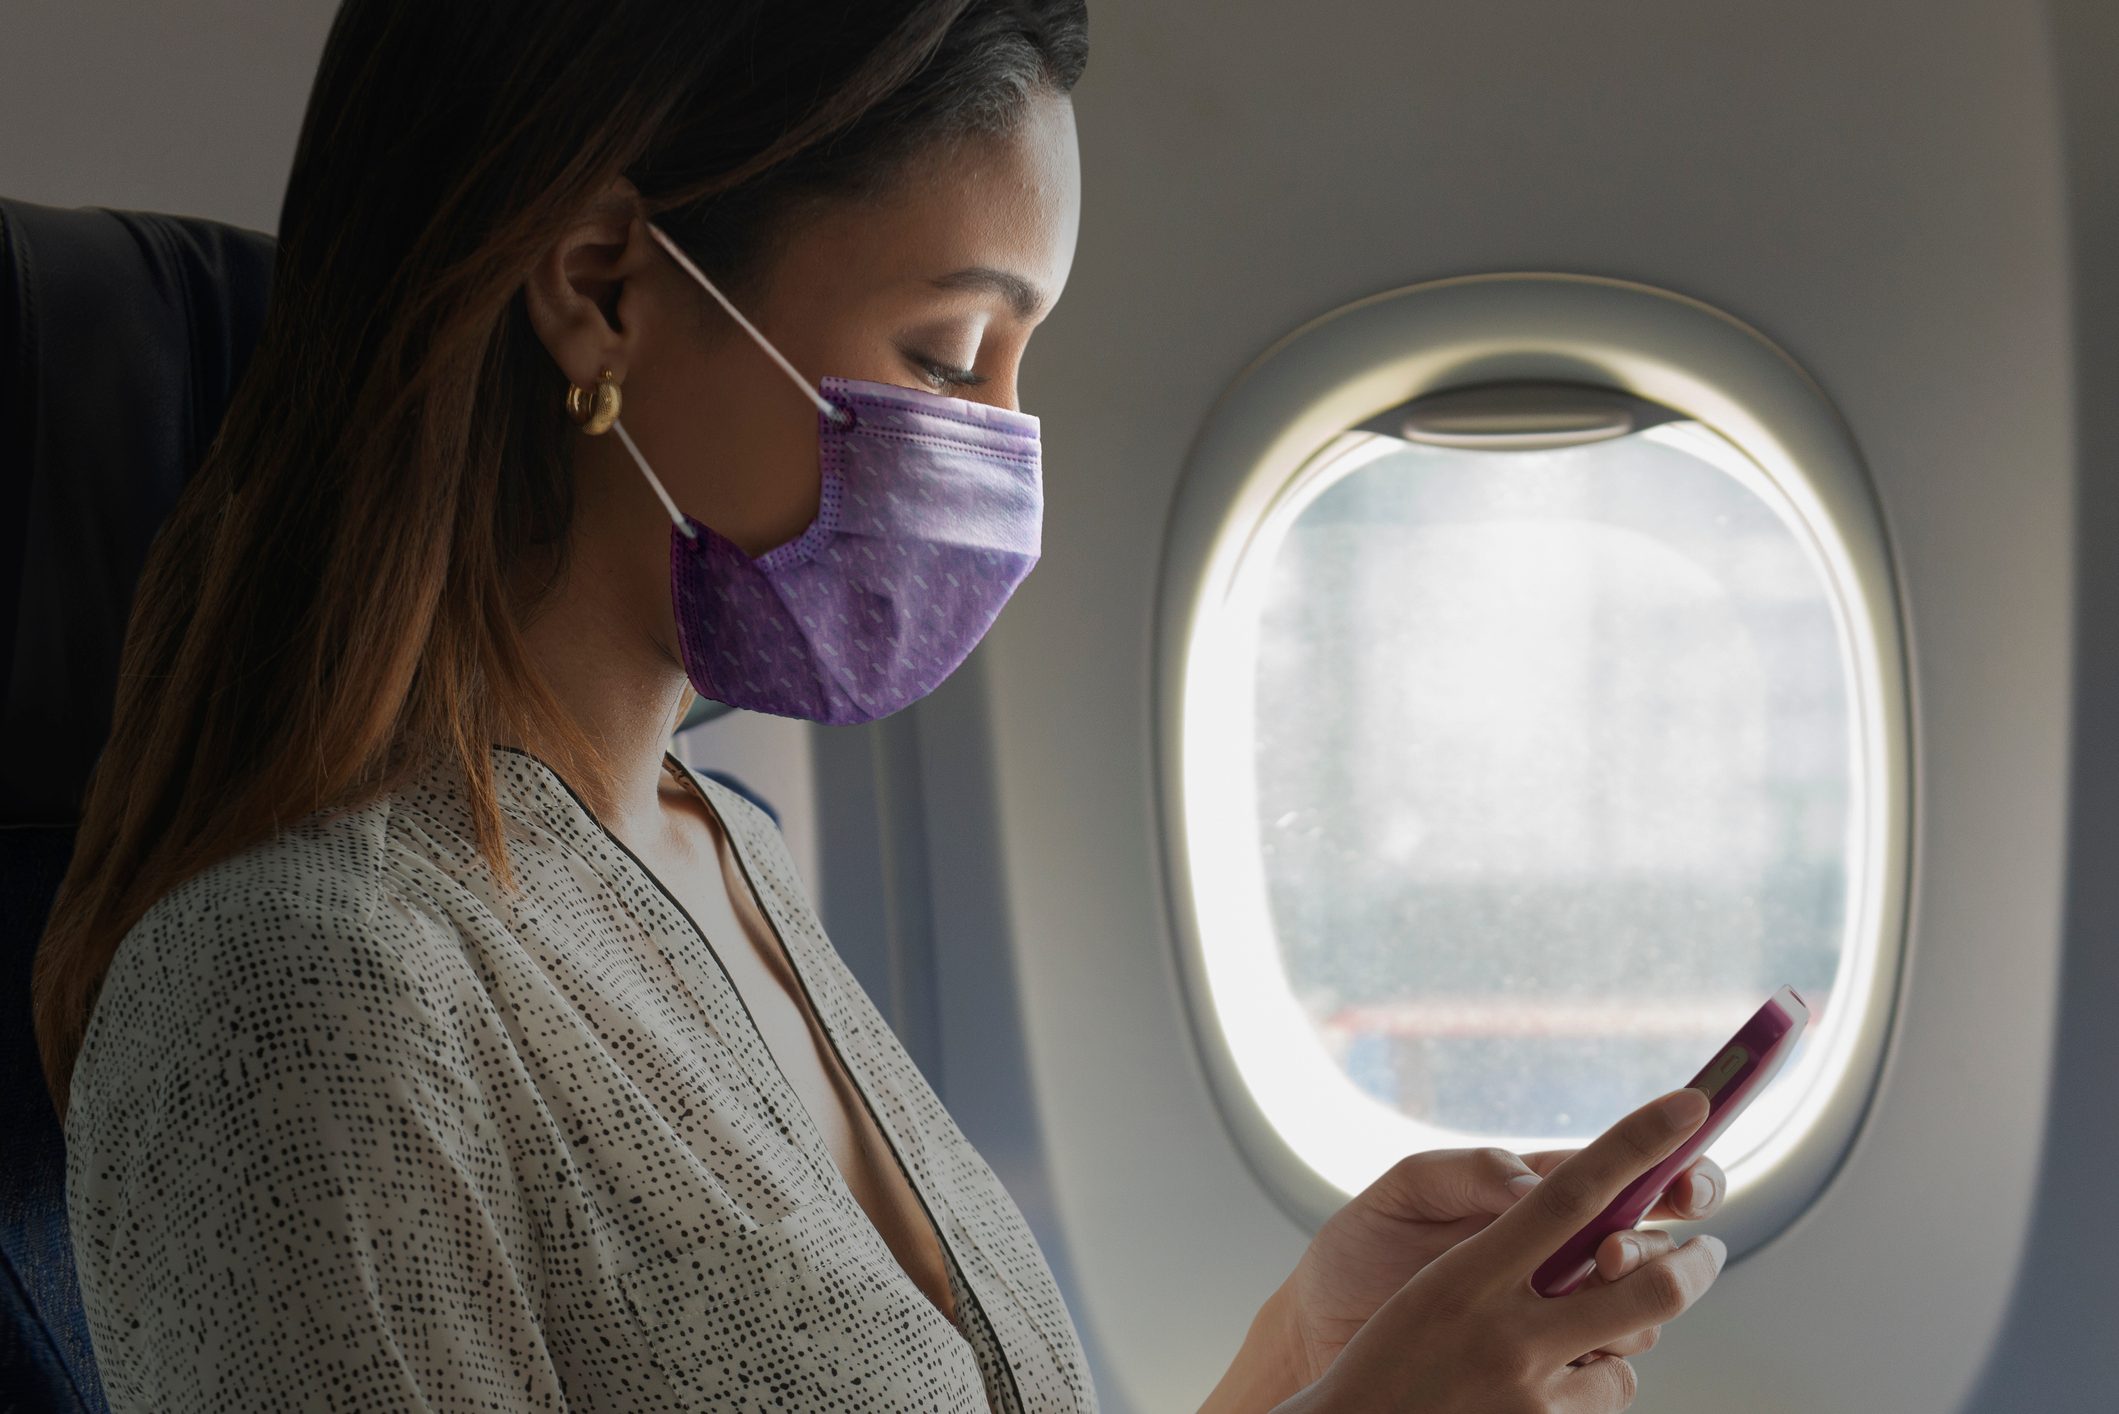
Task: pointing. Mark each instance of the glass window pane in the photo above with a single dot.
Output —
(1554, 764)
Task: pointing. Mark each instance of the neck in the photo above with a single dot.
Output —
(613, 680)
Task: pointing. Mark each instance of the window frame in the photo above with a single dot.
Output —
(1346, 367)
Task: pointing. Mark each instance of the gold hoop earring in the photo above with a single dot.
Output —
(595, 409)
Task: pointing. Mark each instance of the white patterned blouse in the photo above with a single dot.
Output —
(354, 1130)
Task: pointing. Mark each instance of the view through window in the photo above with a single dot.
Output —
(1555, 769)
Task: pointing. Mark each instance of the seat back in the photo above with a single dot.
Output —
(124, 334)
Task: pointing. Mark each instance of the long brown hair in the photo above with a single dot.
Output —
(328, 607)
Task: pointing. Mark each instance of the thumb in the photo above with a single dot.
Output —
(1454, 1183)
(1518, 1179)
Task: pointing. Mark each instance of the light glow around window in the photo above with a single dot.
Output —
(1513, 782)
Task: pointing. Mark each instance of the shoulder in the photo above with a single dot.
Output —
(301, 945)
(285, 1142)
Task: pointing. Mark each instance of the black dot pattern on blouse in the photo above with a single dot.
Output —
(352, 1130)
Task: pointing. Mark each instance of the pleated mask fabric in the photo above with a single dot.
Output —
(929, 517)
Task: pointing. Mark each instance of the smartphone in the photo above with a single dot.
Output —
(1737, 1073)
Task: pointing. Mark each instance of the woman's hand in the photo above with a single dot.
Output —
(1468, 1333)
(1423, 1206)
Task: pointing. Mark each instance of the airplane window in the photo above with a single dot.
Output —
(1534, 764)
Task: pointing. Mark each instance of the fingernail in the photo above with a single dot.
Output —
(1701, 1193)
(1632, 1253)
(1522, 1184)
(1718, 1249)
(1686, 1107)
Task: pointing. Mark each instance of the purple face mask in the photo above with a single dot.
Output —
(929, 518)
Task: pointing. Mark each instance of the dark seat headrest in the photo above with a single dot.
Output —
(124, 333)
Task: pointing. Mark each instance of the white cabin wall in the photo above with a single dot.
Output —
(190, 108)
(1876, 187)
(2054, 1354)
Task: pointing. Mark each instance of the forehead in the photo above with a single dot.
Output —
(1009, 202)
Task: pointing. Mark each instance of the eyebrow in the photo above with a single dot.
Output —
(1022, 296)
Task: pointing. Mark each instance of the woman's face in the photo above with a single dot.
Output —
(936, 283)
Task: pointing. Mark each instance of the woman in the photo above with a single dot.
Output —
(426, 1036)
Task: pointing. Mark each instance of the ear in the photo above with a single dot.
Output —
(572, 292)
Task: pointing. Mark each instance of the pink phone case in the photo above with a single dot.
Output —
(1738, 1071)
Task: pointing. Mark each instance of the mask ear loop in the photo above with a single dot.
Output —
(676, 516)
(838, 415)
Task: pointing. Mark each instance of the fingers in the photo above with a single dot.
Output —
(1660, 1290)
(1600, 1387)
(1620, 1255)
(1544, 1161)
(1623, 1252)
(1639, 1343)
(1581, 1187)
(1694, 1194)
(1440, 1185)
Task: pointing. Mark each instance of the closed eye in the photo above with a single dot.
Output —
(944, 376)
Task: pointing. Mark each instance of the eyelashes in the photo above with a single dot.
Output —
(944, 376)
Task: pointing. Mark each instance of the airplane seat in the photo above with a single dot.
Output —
(125, 333)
